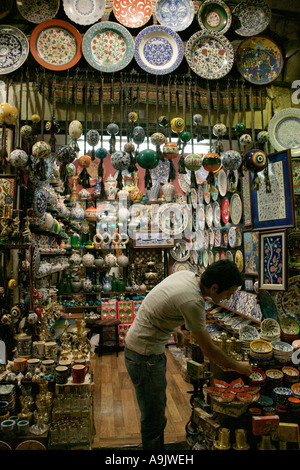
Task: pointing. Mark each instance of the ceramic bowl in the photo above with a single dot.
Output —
(289, 326)
(213, 391)
(257, 376)
(296, 389)
(220, 383)
(244, 397)
(261, 347)
(290, 373)
(227, 397)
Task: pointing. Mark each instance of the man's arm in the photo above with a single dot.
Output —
(215, 354)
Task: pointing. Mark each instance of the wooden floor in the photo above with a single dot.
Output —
(116, 413)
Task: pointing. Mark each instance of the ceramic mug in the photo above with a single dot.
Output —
(38, 349)
(20, 364)
(81, 362)
(79, 372)
(22, 427)
(48, 366)
(66, 363)
(51, 349)
(33, 364)
(61, 374)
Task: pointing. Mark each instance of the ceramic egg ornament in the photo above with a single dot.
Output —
(120, 160)
(231, 161)
(18, 158)
(219, 131)
(41, 150)
(212, 164)
(158, 139)
(113, 130)
(177, 125)
(256, 160)
(197, 120)
(92, 138)
(193, 163)
(84, 178)
(148, 159)
(171, 151)
(130, 148)
(101, 153)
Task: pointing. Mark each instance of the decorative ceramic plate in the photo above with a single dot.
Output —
(108, 46)
(205, 258)
(201, 217)
(239, 260)
(218, 237)
(132, 13)
(181, 251)
(210, 257)
(193, 195)
(161, 171)
(225, 210)
(176, 14)
(222, 182)
(232, 237)
(158, 50)
(39, 202)
(36, 11)
(173, 219)
(235, 209)
(14, 49)
(288, 302)
(229, 256)
(184, 185)
(214, 192)
(224, 238)
(211, 238)
(5, 8)
(253, 17)
(4, 446)
(34, 173)
(182, 266)
(214, 15)
(84, 12)
(206, 193)
(199, 242)
(259, 60)
(217, 256)
(216, 214)
(31, 445)
(209, 54)
(56, 45)
(284, 130)
(239, 237)
(200, 194)
(222, 255)
(209, 215)
(206, 239)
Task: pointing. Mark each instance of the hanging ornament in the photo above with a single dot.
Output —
(41, 150)
(75, 132)
(138, 137)
(211, 163)
(184, 137)
(120, 161)
(171, 151)
(263, 138)
(158, 139)
(148, 159)
(65, 155)
(163, 121)
(113, 130)
(197, 120)
(101, 153)
(129, 148)
(132, 119)
(245, 139)
(193, 162)
(256, 161)
(26, 132)
(219, 130)
(92, 138)
(18, 158)
(84, 178)
(8, 114)
(177, 125)
(231, 161)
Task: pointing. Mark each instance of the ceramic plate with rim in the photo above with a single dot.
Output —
(239, 260)
(108, 46)
(214, 15)
(36, 11)
(287, 302)
(235, 209)
(253, 17)
(179, 215)
(84, 12)
(209, 215)
(217, 214)
(132, 13)
(259, 60)
(209, 54)
(225, 210)
(14, 49)
(158, 50)
(218, 237)
(222, 182)
(56, 45)
(177, 14)
(284, 130)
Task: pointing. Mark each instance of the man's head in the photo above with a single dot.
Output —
(221, 279)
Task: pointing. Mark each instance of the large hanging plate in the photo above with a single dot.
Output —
(259, 60)
(177, 15)
(284, 130)
(253, 17)
(132, 13)
(36, 11)
(209, 54)
(108, 46)
(56, 45)
(14, 49)
(84, 12)
(158, 50)
(214, 15)
(235, 209)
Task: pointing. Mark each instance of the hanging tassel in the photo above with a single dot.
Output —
(41, 169)
(100, 176)
(159, 153)
(52, 142)
(199, 135)
(120, 180)
(256, 184)
(172, 172)
(193, 180)
(147, 179)
(231, 181)
(132, 166)
(84, 179)
(112, 144)
(181, 166)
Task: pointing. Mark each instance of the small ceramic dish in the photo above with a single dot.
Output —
(244, 397)
(221, 384)
(290, 372)
(261, 346)
(227, 397)
(214, 391)
(238, 383)
(257, 375)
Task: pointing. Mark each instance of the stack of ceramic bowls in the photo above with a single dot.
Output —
(257, 377)
(8, 394)
(291, 375)
(274, 378)
(289, 330)
(281, 397)
(282, 351)
(296, 389)
(270, 330)
(261, 350)
(247, 334)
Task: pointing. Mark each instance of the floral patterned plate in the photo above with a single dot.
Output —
(56, 45)
(232, 237)
(14, 49)
(132, 13)
(214, 15)
(209, 54)
(217, 214)
(235, 209)
(176, 14)
(201, 217)
(222, 182)
(288, 302)
(84, 12)
(158, 50)
(284, 130)
(218, 237)
(259, 60)
(36, 11)
(225, 210)
(239, 260)
(253, 17)
(108, 46)
(209, 215)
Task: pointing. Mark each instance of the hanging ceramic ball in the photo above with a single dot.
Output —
(18, 158)
(8, 113)
(120, 160)
(138, 135)
(53, 127)
(26, 132)
(84, 161)
(71, 170)
(197, 119)
(75, 129)
(41, 150)
(35, 118)
(84, 178)
(212, 162)
(101, 153)
(132, 116)
(148, 159)
(239, 128)
(231, 160)
(185, 137)
(65, 154)
(245, 139)
(219, 129)
(170, 150)
(129, 148)
(256, 160)
(177, 124)
(263, 137)
(92, 137)
(163, 121)
(193, 163)
(112, 128)
(158, 138)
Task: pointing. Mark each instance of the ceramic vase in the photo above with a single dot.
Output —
(168, 191)
(111, 188)
(87, 285)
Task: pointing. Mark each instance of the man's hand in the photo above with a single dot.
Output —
(180, 338)
(244, 368)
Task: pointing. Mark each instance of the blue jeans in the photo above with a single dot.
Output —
(148, 375)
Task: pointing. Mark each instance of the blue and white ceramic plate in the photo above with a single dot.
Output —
(284, 130)
(175, 14)
(214, 15)
(39, 202)
(36, 11)
(14, 49)
(209, 54)
(34, 173)
(108, 46)
(84, 12)
(253, 17)
(158, 50)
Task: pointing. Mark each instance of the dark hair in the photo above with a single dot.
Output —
(224, 273)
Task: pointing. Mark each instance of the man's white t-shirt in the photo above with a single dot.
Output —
(174, 302)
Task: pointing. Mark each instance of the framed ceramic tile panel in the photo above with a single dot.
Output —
(274, 210)
(246, 200)
(8, 191)
(251, 245)
(273, 260)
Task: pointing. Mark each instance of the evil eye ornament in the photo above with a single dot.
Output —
(256, 160)
(177, 124)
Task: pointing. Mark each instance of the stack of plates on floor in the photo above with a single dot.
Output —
(247, 334)
(282, 351)
(261, 350)
(270, 330)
